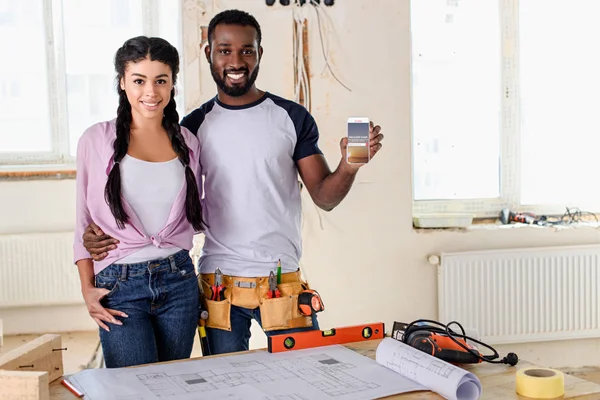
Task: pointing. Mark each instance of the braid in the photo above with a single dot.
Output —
(112, 191)
(193, 208)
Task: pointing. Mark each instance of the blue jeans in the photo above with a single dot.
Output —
(161, 298)
(238, 338)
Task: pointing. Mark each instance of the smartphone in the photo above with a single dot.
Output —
(357, 151)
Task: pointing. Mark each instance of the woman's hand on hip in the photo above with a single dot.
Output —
(92, 297)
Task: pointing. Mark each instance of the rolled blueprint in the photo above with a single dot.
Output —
(447, 380)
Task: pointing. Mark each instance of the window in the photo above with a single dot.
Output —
(505, 105)
(60, 77)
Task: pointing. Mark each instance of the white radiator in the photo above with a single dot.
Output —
(523, 295)
(38, 270)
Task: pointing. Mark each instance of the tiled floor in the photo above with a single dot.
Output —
(82, 349)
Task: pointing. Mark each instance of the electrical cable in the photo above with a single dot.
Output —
(510, 359)
(317, 8)
(574, 215)
(298, 56)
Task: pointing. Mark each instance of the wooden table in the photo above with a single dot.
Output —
(497, 380)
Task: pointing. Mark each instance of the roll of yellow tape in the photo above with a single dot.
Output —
(540, 383)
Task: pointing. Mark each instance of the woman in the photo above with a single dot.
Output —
(138, 177)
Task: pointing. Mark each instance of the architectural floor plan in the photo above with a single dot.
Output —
(332, 372)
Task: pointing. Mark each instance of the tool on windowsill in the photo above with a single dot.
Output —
(273, 290)
(507, 216)
(218, 290)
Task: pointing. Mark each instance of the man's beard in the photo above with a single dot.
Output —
(234, 91)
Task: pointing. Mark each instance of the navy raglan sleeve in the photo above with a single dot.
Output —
(193, 120)
(307, 132)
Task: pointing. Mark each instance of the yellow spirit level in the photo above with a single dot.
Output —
(316, 338)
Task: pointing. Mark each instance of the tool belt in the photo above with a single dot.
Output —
(276, 313)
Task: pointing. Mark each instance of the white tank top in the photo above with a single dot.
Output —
(150, 188)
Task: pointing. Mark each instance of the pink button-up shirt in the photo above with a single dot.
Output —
(94, 162)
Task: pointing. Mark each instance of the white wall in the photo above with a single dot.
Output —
(37, 206)
(366, 261)
(33, 207)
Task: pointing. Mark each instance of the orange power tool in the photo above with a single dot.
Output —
(441, 346)
(440, 341)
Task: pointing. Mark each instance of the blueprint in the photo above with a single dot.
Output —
(331, 372)
(448, 380)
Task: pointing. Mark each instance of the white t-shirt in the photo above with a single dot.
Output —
(251, 200)
(150, 188)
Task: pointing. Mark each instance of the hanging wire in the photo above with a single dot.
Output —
(318, 11)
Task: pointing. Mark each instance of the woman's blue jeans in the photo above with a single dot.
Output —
(161, 298)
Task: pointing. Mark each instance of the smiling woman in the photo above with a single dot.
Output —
(150, 93)
(138, 176)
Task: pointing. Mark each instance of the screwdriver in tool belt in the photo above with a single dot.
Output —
(202, 324)
(202, 333)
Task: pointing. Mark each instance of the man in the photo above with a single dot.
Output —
(253, 145)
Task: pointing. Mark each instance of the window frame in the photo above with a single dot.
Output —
(59, 157)
(510, 150)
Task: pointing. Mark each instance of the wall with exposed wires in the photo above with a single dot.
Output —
(364, 257)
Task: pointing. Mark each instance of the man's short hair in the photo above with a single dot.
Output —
(233, 17)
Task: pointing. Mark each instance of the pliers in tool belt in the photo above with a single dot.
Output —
(218, 290)
(273, 290)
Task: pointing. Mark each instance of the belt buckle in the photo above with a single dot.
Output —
(244, 284)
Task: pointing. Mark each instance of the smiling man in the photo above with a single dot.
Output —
(231, 75)
(253, 146)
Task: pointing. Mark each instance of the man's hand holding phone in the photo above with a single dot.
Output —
(362, 142)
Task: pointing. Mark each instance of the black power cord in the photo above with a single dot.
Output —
(511, 358)
(574, 215)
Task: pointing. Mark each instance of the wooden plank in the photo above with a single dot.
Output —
(41, 354)
(17, 385)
